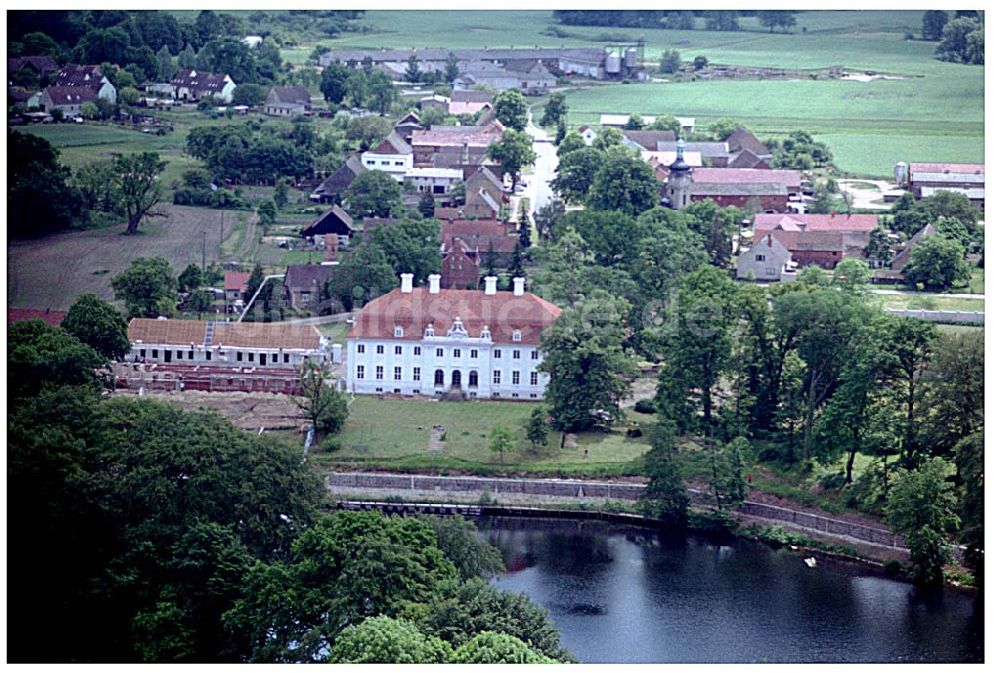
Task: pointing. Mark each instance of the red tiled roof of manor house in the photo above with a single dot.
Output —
(502, 312)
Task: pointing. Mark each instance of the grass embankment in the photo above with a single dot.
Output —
(394, 434)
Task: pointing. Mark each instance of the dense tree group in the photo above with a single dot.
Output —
(194, 541)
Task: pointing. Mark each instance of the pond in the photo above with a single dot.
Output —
(624, 594)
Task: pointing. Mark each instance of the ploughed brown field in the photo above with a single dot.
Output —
(52, 272)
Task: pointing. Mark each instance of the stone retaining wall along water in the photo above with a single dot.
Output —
(574, 488)
(952, 317)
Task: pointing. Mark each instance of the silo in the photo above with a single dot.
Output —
(630, 58)
(613, 64)
(900, 173)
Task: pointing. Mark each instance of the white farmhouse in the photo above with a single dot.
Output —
(431, 341)
(393, 156)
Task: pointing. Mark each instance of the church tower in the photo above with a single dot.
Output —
(679, 180)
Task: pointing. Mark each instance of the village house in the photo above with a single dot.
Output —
(746, 151)
(407, 125)
(432, 341)
(815, 238)
(648, 140)
(480, 236)
(192, 86)
(436, 181)
(459, 267)
(333, 188)
(235, 284)
(968, 179)
(67, 99)
(468, 101)
(617, 120)
(434, 102)
(87, 77)
(304, 284)
(893, 273)
(393, 156)
(287, 101)
(484, 195)
(335, 221)
(460, 143)
(40, 66)
(529, 77)
(589, 134)
(20, 98)
(195, 342)
(766, 260)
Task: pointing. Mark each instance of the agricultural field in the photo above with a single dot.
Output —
(869, 126)
(54, 271)
(825, 36)
(934, 114)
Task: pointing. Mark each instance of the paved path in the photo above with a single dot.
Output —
(545, 167)
(504, 491)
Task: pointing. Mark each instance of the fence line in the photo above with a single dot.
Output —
(574, 488)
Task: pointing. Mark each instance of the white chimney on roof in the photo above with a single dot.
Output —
(518, 287)
(491, 284)
(407, 285)
(435, 283)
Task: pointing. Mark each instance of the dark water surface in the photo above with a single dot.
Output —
(623, 594)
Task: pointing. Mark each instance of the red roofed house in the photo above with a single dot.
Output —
(46, 315)
(479, 236)
(460, 267)
(821, 239)
(235, 283)
(429, 341)
(468, 102)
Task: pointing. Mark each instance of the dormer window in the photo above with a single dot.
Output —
(457, 329)
(517, 335)
(429, 331)
(397, 331)
(485, 333)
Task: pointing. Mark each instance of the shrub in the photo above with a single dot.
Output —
(645, 407)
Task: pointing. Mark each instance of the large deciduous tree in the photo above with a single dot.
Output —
(147, 287)
(665, 495)
(322, 404)
(137, 186)
(511, 109)
(938, 262)
(624, 183)
(98, 324)
(39, 199)
(590, 372)
(384, 640)
(921, 507)
(513, 151)
(556, 109)
(374, 194)
(577, 170)
(699, 344)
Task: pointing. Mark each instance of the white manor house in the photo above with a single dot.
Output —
(430, 341)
